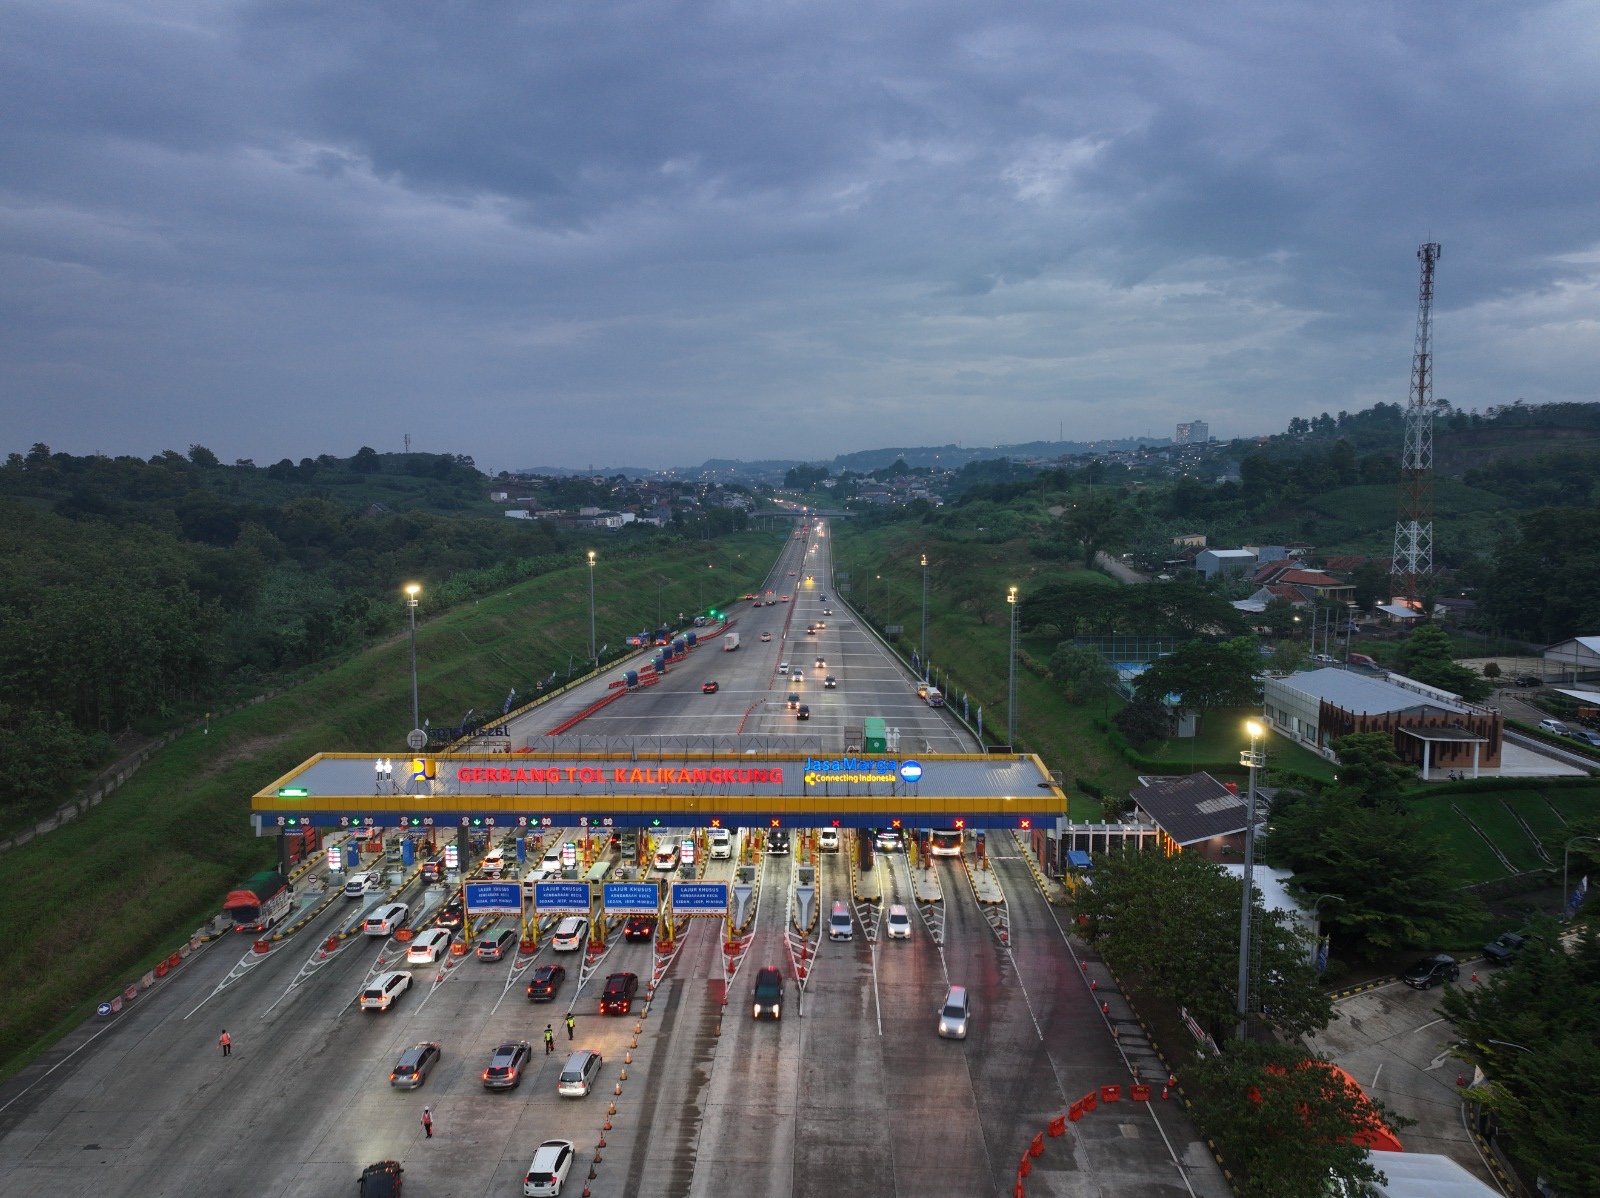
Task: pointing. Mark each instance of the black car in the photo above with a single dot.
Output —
(1430, 971)
(617, 997)
(768, 997)
(777, 840)
(1504, 947)
(1529, 680)
(802, 712)
(381, 1180)
(544, 983)
(506, 1063)
(452, 915)
(639, 927)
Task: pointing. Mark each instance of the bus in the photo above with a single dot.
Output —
(946, 842)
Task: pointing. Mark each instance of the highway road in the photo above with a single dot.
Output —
(851, 1091)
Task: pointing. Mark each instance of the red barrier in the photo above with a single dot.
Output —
(1037, 1147)
(175, 960)
(1110, 1093)
(1058, 1125)
(1017, 1191)
(1075, 1111)
(161, 969)
(1026, 1166)
(588, 711)
(1139, 1092)
(1089, 1101)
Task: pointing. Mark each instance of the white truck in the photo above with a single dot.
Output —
(730, 642)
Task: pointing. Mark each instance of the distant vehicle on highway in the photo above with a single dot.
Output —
(768, 997)
(831, 683)
(767, 636)
(712, 687)
(802, 712)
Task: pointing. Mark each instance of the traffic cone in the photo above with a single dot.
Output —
(1094, 984)
(1105, 1008)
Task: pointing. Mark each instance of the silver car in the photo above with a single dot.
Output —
(411, 1070)
(955, 1013)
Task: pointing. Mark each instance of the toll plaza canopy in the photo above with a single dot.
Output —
(344, 790)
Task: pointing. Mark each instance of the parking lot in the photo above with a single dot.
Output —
(1393, 1040)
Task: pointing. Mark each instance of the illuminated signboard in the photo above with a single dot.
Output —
(579, 776)
(854, 769)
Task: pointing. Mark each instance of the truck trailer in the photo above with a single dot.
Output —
(730, 642)
(259, 902)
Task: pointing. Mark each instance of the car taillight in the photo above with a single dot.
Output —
(392, 1076)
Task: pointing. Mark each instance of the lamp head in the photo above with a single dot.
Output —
(1255, 728)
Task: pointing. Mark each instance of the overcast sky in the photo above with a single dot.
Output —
(570, 233)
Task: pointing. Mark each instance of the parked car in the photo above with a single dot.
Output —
(1502, 950)
(411, 1070)
(1555, 726)
(1529, 680)
(544, 983)
(1430, 971)
(1588, 736)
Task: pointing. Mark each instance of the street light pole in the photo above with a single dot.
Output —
(1011, 673)
(1565, 850)
(592, 654)
(924, 615)
(1252, 758)
(412, 591)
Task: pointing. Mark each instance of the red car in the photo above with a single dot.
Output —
(617, 997)
(709, 688)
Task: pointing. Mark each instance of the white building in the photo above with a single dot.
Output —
(1194, 432)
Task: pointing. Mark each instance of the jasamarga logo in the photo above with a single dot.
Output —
(850, 769)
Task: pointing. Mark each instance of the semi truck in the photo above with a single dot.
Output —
(730, 642)
(260, 901)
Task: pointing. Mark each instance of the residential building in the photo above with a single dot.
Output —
(1193, 432)
(1215, 562)
(1196, 813)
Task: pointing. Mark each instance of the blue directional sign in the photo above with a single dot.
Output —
(632, 898)
(691, 897)
(561, 896)
(493, 898)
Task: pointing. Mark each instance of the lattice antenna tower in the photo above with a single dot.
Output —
(1413, 531)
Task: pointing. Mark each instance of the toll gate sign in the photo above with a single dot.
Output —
(493, 898)
(571, 898)
(700, 898)
(632, 898)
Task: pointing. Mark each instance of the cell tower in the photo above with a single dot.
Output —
(1413, 531)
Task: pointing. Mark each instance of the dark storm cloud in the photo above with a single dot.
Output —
(651, 231)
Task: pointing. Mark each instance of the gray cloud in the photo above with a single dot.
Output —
(649, 232)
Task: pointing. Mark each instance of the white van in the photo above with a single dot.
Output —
(667, 857)
(721, 841)
(428, 947)
(955, 1013)
(386, 920)
(357, 885)
(840, 925)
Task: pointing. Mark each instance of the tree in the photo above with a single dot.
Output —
(1144, 721)
(201, 456)
(366, 461)
(1278, 617)
(1536, 1021)
(1285, 1121)
(1393, 881)
(1093, 521)
(1172, 923)
(1370, 770)
(1205, 676)
(1083, 673)
(1426, 656)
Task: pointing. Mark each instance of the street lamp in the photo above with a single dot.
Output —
(593, 657)
(1011, 673)
(1564, 897)
(925, 615)
(412, 591)
(1253, 759)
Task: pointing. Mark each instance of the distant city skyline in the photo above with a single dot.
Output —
(585, 232)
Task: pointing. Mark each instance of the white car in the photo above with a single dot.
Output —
(570, 934)
(547, 1172)
(783, 667)
(428, 947)
(721, 842)
(767, 636)
(828, 841)
(385, 920)
(899, 923)
(551, 864)
(380, 993)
